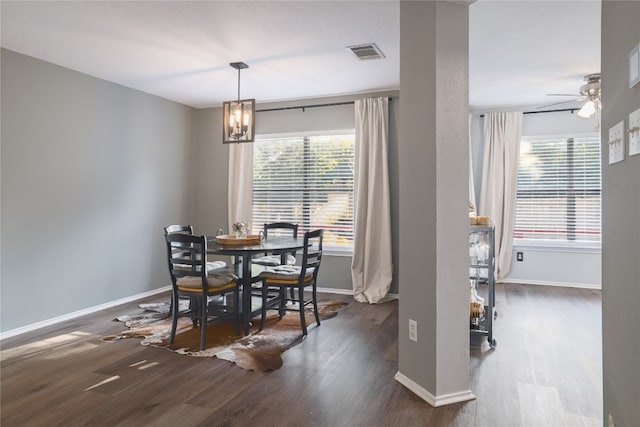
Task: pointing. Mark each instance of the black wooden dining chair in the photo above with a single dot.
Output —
(186, 255)
(177, 252)
(295, 277)
(279, 257)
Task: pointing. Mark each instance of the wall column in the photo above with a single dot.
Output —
(433, 150)
(620, 221)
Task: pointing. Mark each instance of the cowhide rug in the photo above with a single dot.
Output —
(259, 351)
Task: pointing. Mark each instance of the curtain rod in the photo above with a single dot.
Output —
(303, 107)
(547, 111)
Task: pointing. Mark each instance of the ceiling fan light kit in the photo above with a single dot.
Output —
(590, 93)
(587, 109)
(238, 117)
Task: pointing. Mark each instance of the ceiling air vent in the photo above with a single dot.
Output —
(366, 51)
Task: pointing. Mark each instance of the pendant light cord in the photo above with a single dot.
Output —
(238, 84)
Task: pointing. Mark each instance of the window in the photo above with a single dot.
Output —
(558, 197)
(307, 180)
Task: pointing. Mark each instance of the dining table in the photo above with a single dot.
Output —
(246, 272)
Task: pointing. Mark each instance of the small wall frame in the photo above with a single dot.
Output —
(634, 66)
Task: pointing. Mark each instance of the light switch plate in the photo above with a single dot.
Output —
(634, 133)
(413, 330)
(616, 143)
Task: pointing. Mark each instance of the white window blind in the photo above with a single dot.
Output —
(306, 180)
(559, 186)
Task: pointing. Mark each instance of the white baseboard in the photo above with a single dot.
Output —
(335, 291)
(89, 310)
(85, 311)
(348, 292)
(558, 284)
(435, 401)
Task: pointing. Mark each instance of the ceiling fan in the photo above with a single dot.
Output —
(590, 93)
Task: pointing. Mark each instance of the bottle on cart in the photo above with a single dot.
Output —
(476, 304)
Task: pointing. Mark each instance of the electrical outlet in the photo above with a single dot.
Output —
(413, 330)
(520, 256)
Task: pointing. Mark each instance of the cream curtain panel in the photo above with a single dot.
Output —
(472, 187)
(371, 266)
(240, 199)
(502, 133)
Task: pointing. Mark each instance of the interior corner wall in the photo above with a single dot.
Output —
(211, 163)
(91, 172)
(620, 221)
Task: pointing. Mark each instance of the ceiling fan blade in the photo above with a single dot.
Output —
(559, 103)
(563, 94)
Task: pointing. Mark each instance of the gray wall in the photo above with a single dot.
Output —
(621, 222)
(211, 169)
(91, 172)
(433, 196)
(211, 164)
(579, 267)
(86, 163)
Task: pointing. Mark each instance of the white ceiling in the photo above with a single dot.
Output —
(181, 50)
(521, 50)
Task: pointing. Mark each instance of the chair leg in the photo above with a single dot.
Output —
(236, 307)
(174, 320)
(263, 309)
(303, 322)
(315, 303)
(194, 307)
(282, 294)
(203, 325)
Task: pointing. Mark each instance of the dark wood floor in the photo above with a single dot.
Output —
(546, 371)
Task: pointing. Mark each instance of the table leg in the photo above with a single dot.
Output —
(246, 292)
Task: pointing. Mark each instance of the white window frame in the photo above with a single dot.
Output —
(328, 249)
(551, 245)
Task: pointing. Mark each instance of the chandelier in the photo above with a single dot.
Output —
(238, 123)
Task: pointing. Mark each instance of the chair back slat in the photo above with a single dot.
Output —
(178, 228)
(280, 229)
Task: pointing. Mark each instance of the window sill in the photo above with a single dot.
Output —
(337, 252)
(553, 246)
